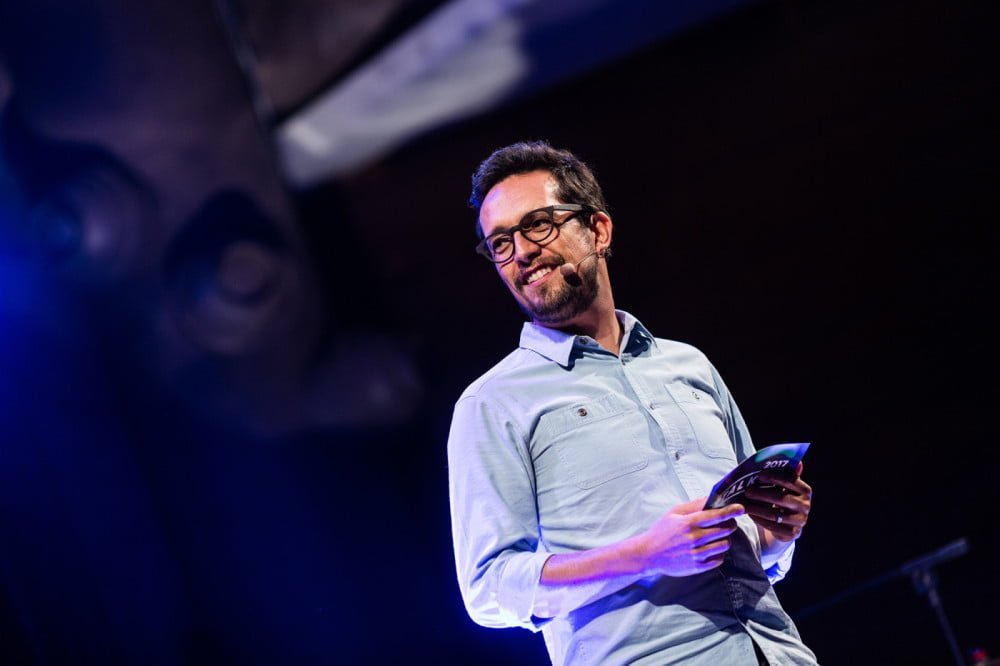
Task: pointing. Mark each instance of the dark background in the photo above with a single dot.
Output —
(805, 191)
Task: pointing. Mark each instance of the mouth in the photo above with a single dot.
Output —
(536, 274)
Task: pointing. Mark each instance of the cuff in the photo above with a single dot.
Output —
(777, 571)
(517, 594)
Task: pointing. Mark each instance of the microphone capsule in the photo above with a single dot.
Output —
(570, 274)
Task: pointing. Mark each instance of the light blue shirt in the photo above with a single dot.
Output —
(562, 447)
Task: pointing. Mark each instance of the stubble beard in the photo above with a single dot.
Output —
(562, 301)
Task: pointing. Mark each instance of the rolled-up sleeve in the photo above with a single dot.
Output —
(494, 516)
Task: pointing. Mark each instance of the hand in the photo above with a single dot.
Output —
(783, 508)
(687, 540)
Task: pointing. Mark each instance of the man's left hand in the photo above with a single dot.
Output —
(783, 508)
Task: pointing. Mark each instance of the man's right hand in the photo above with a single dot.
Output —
(685, 541)
(688, 540)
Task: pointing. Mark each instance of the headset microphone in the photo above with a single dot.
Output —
(570, 271)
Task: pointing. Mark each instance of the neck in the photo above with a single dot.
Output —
(598, 322)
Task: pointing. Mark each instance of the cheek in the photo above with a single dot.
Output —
(507, 275)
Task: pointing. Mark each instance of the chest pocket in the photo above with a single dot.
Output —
(706, 420)
(593, 442)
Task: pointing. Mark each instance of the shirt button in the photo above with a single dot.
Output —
(677, 455)
(652, 405)
(581, 412)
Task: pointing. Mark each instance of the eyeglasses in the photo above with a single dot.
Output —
(536, 226)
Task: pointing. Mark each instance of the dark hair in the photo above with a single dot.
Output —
(577, 183)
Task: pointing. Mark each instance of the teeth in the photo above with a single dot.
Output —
(538, 275)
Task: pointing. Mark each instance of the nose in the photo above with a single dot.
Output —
(525, 250)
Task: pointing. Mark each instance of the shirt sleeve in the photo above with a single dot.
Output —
(778, 570)
(740, 436)
(494, 516)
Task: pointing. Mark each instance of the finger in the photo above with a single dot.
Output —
(779, 482)
(792, 519)
(768, 496)
(711, 563)
(788, 506)
(716, 533)
(783, 484)
(790, 503)
(782, 531)
(778, 514)
(795, 504)
(716, 516)
(711, 550)
(767, 512)
(763, 494)
(805, 488)
(781, 519)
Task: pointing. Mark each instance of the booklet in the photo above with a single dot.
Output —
(731, 487)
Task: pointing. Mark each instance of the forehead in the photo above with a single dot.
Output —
(512, 197)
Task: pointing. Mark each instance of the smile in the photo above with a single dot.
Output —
(537, 274)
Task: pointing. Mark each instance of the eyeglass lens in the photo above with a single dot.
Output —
(536, 227)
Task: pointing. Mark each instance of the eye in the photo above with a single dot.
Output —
(499, 243)
(536, 222)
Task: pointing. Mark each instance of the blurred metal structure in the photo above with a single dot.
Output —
(465, 58)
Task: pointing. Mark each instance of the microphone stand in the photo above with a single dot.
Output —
(921, 572)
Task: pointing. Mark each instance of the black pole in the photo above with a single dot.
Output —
(921, 571)
(925, 580)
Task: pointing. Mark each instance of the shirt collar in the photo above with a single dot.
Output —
(558, 346)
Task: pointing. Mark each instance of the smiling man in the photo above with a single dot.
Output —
(579, 464)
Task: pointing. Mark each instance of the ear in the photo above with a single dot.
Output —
(602, 227)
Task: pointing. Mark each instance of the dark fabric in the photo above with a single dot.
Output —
(761, 659)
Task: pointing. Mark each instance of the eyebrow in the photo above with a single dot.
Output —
(507, 230)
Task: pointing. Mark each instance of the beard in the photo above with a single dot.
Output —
(562, 301)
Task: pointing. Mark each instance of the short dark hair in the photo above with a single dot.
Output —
(577, 183)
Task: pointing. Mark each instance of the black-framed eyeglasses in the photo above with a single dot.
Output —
(536, 225)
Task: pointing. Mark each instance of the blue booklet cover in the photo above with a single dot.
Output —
(779, 458)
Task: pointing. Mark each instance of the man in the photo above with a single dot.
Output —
(579, 464)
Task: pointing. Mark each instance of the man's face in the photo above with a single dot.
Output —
(532, 274)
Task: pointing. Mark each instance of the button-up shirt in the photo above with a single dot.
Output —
(564, 446)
